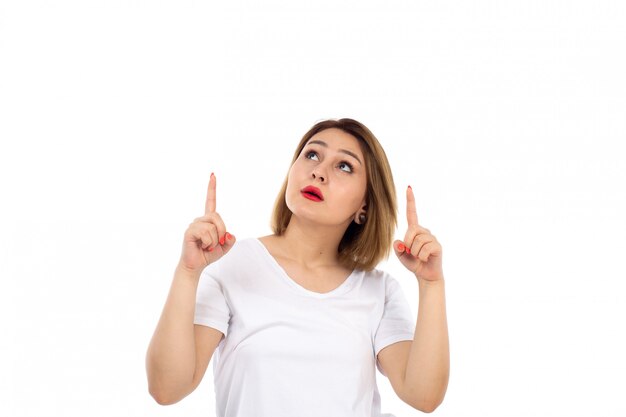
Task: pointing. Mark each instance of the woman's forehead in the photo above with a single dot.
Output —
(336, 139)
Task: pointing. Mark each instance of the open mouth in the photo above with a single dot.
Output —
(311, 196)
(313, 193)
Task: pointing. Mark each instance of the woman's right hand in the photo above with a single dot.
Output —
(206, 239)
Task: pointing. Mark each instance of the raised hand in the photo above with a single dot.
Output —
(420, 252)
(206, 240)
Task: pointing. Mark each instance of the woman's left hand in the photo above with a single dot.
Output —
(420, 252)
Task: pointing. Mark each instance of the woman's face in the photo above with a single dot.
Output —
(333, 162)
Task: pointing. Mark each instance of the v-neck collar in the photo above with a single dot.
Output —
(341, 289)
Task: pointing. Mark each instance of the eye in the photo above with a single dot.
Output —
(349, 165)
(346, 164)
(309, 153)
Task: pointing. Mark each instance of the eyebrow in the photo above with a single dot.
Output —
(352, 154)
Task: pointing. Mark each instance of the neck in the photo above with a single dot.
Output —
(312, 245)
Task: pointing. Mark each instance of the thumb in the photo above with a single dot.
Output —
(399, 247)
(229, 242)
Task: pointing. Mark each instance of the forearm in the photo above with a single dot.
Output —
(171, 356)
(428, 364)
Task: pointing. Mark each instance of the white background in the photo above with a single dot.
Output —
(507, 118)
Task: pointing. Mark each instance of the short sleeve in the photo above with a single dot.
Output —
(397, 322)
(211, 307)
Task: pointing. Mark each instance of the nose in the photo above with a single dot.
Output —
(320, 177)
(320, 169)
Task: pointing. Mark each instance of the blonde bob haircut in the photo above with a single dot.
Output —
(362, 246)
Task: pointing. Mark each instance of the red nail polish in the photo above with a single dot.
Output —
(401, 247)
(212, 174)
(222, 239)
(408, 251)
(228, 235)
(410, 187)
(210, 249)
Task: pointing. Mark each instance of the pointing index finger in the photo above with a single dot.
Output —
(209, 205)
(411, 212)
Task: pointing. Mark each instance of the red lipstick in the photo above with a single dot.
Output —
(312, 193)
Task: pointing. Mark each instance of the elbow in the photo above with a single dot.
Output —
(164, 392)
(427, 400)
(163, 398)
(165, 395)
(427, 405)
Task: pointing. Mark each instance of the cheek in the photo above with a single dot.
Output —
(292, 178)
(351, 196)
(294, 172)
(296, 167)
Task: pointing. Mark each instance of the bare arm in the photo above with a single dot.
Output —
(171, 356)
(428, 363)
(180, 351)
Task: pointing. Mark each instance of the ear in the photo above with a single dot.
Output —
(360, 212)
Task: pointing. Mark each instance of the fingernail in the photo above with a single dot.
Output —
(212, 174)
(401, 247)
(210, 249)
(228, 235)
(410, 187)
(222, 239)
(408, 250)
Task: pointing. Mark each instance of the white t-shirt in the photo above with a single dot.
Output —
(292, 352)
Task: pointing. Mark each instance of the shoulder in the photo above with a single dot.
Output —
(242, 250)
(248, 241)
(376, 280)
(244, 243)
(377, 274)
(381, 279)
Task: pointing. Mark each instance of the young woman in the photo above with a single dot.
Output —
(301, 317)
